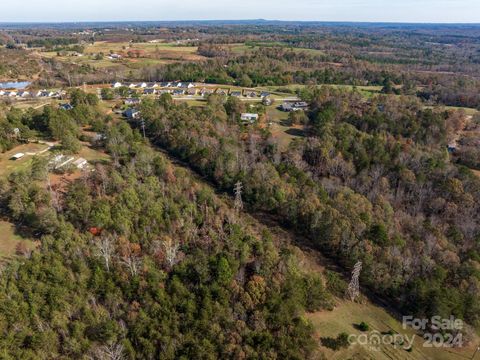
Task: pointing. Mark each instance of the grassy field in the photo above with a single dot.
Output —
(244, 48)
(7, 166)
(347, 314)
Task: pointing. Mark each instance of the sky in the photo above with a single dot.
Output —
(437, 11)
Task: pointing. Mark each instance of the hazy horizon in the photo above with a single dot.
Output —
(383, 11)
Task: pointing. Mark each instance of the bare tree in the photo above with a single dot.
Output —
(109, 352)
(105, 248)
(171, 250)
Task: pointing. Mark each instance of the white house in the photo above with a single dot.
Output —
(23, 94)
(117, 85)
(17, 156)
(132, 86)
(2, 92)
(143, 85)
(190, 85)
(80, 163)
(247, 117)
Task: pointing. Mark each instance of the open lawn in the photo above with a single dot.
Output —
(347, 314)
(7, 166)
(280, 131)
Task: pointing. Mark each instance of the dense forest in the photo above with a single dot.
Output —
(371, 181)
(139, 260)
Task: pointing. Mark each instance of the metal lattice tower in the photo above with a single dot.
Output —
(238, 205)
(353, 290)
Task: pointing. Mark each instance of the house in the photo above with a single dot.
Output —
(132, 86)
(165, 84)
(163, 91)
(190, 85)
(178, 92)
(44, 93)
(236, 93)
(66, 107)
(80, 163)
(117, 85)
(11, 93)
(179, 85)
(264, 94)
(23, 94)
(149, 91)
(267, 101)
(143, 85)
(192, 91)
(252, 94)
(249, 118)
(152, 85)
(132, 101)
(288, 106)
(223, 92)
(2, 92)
(115, 56)
(17, 156)
(131, 113)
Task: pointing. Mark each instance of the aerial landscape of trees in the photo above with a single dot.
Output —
(168, 245)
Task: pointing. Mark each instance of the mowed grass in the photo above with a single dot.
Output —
(277, 125)
(7, 165)
(347, 314)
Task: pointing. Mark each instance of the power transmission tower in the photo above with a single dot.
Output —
(353, 290)
(238, 205)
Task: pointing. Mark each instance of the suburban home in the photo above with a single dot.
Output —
(80, 163)
(164, 91)
(131, 113)
(17, 156)
(264, 94)
(192, 91)
(300, 105)
(249, 118)
(252, 94)
(152, 85)
(178, 92)
(223, 92)
(236, 93)
(179, 85)
(149, 91)
(166, 84)
(190, 85)
(117, 85)
(132, 86)
(267, 101)
(66, 107)
(2, 92)
(23, 94)
(132, 101)
(11, 94)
